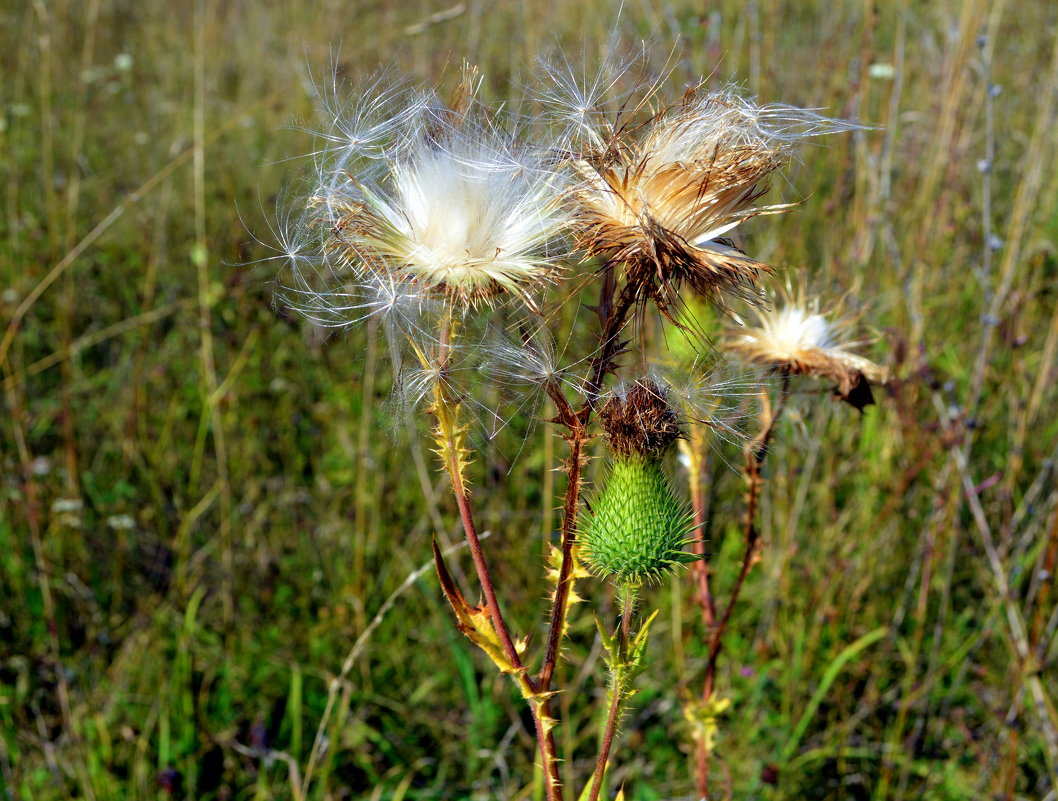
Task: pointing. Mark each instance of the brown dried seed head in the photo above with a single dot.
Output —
(640, 421)
(798, 339)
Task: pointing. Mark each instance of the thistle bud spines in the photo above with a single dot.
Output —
(638, 528)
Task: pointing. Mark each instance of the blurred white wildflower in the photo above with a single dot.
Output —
(121, 522)
(66, 506)
(67, 511)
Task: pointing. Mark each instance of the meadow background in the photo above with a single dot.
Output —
(211, 519)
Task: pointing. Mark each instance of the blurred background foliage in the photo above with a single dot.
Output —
(205, 503)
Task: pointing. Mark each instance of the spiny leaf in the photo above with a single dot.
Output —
(450, 439)
(554, 562)
(474, 621)
(704, 719)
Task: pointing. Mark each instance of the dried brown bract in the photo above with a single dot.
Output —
(639, 420)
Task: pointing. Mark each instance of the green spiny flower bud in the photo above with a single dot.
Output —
(638, 528)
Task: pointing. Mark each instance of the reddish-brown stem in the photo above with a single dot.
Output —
(611, 320)
(548, 752)
(702, 766)
(756, 454)
(716, 640)
(607, 743)
(485, 579)
(701, 566)
(575, 422)
(612, 317)
(570, 506)
(451, 460)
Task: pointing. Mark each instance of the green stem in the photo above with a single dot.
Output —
(617, 691)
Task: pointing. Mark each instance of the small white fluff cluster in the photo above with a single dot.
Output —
(790, 329)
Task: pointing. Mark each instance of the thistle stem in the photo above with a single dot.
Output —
(559, 607)
(485, 579)
(570, 506)
(630, 592)
(575, 423)
(756, 454)
(617, 692)
(548, 751)
(451, 449)
(607, 742)
(612, 317)
(698, 504)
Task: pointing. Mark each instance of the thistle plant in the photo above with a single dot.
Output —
(468, 233)
(791, 337)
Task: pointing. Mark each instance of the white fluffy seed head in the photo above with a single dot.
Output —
(417, 204)
(790, 329)
(658, 185)
(797, 338)
(460, 212)
(461, 218)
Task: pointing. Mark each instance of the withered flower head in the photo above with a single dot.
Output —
(453, 208)
(639, 421)
(659, 197)
(798, 339)
(457, 219)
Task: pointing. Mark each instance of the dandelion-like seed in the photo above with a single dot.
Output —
(717, 400)
(659, 197)
(799, 339)
(530, 360)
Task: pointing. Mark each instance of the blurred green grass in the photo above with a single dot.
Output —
(206, 502)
